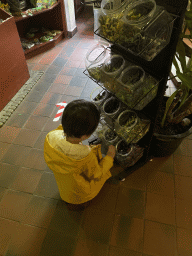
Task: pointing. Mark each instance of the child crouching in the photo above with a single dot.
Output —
(80, 170)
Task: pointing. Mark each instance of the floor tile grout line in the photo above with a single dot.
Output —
(112, 228)
(116, 202)
(176, 237)
(144, 218)
(114, 213)
(28, 193)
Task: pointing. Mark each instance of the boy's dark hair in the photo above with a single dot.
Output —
(80, 117)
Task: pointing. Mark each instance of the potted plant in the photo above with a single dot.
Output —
(175, 120)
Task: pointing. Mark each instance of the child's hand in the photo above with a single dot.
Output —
(111, 151)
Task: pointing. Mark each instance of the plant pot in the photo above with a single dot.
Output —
(111, 108)
(100, 97)
(138, 99)
(110, 70)
(128, 154)
(113, 8)
(110, 137)
(125, 124)
(133, 132)
(139, 13)
(131, 78)
(146, 93)
(94, 60)
(166, 145)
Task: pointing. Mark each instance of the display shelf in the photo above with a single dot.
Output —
(127, 153)
(13, 67)
(143, 143)
(135, 100)
(142, 128)
(147, 111)
(159, 67)
(146, 42)
(52, 19)
(128, 171)
(107, 122)
(145, 127)
(43, 46)
(18, 18)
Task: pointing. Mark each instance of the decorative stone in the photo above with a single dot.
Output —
(20, 95)
(186, 122)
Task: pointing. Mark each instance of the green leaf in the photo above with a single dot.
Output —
(168, 104)
(184, 97)
(34, 2)
(186, 36)
(181, 51)
(188, 50)
(189, 25)
(188, 14)
(176, 64)
(186, 79)
(39, 8)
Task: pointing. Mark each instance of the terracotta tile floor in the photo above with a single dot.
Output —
(148, 214)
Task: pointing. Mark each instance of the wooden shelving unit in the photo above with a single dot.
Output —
(43, 47)
(36, 13)
(13, 67)
(52, 18)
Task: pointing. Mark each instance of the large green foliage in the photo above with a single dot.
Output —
(183, 69)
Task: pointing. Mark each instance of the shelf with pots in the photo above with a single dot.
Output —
(126, 91)
(125, 80)
(126, 125)
(133, 72)
(127, 154)
(140, 27)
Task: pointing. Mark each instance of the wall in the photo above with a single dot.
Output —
(70, 15)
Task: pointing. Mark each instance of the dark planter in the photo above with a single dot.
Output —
(166, 145)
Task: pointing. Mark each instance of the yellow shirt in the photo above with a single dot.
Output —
(78, 180)
(76, 151)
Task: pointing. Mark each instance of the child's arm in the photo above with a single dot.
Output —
(97, 168)
(97, 171)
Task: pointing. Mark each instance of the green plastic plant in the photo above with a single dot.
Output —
(179, 104)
